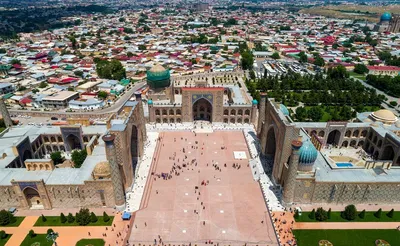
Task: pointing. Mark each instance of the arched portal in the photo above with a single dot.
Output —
(202, 110)
(334, 137)
(33, 198)
(388, 153)
(134, 146)
(270, 147)
(73, 142)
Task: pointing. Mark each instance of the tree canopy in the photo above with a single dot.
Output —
(110, 69)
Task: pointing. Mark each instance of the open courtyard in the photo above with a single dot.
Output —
(193, 197)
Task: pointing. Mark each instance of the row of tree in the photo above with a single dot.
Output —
(388, 84)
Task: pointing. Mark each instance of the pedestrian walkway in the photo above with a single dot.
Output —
(117, 234)
(135, 195)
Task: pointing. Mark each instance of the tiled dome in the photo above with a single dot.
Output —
(284, 110)
(308, 153)
(255, 102)
(386, 16)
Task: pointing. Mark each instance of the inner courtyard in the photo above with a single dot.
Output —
(202, 199)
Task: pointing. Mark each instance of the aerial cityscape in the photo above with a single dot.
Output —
(185, 123)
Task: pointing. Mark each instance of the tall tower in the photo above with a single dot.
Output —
(4, 112)
(116, 179)
(254, 112)
(290, 181)
(261, 113)
(152, 117)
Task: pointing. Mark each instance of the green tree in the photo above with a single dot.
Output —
(70, 218)
(301, 113)
(321, 214)
(329, 213)
(43, 218)
(57, 157)
(390, 214)
(49, 231)
(319, 61)
(3, 51)
(378, 214)
(78, 157)
(34, 91)
(3, 235)
(78, 73)
(93, 217)
(296, 214)
(4, 217)
(303, 57)
(102, 94)
(142, 47)
(110, 69)
(362, 214)
(393, 103)
(15, 61)
(43, 84)
(129, 54)
(247, 60)
(252, 75)
(63, 219)
(312, 214)
(315, 113)
(360, 69)
(32, 234)
(350, 212)
(275, 56)
(83, 217)
(335, 46)
(121, 19)
(106, 218)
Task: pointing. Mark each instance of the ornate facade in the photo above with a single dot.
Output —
(333, 162)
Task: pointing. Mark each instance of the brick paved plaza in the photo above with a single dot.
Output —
(230, 209)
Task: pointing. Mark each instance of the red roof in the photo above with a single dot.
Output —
(69, 80)
(203, 88)
(25, 100)
(383, 68)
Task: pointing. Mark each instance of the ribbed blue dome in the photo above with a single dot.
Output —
(308, 153)
(150, 102)
(255, 102)
(386, 16)
(284, 110)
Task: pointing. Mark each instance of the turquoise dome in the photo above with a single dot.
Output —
(158, 77)
(255, 102)
(150, 102)
(308, 153)
(386, 16)
(284, 110)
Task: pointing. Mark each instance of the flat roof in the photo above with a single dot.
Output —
(61, 96)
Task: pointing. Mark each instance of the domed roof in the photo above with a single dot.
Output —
(150, 102)
(308, 153)
(384, 115)
(157, 69)
(254, 101)
(386, 16)
(284, 110)
(102, 168)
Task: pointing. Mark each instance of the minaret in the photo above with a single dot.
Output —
(261, 113)
(172, 91)
(116, 179)
(254, 112)
(4, 112)
(290, 181)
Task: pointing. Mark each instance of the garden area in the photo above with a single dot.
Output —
(83, 218)
(350, 214)
(36, 240)
(7, 219)
(346, 237)
(90, 242)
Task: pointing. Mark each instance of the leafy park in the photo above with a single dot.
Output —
(83, 218)
(320, 97)
(7, 219)
(4, 238)
(93, 242)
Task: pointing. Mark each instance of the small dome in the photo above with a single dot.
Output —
(386, 16)
(284, 110)
(308, 153)
(102, 169)
(150, 102)
(254, 102)
(157, 69)
(384, 115)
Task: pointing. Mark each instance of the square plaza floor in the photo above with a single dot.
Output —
(230, 209)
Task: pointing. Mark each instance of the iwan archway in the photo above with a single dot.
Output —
(202, 110)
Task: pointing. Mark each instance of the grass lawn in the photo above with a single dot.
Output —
(346, 237)
(17, 222)
(40, 238)
(94, 242)
(358, 76)
(4, 241)
(369, 217)
(55, 221)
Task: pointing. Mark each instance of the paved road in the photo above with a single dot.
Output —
(121, 101)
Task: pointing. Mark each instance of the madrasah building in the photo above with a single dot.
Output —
(332, 162)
